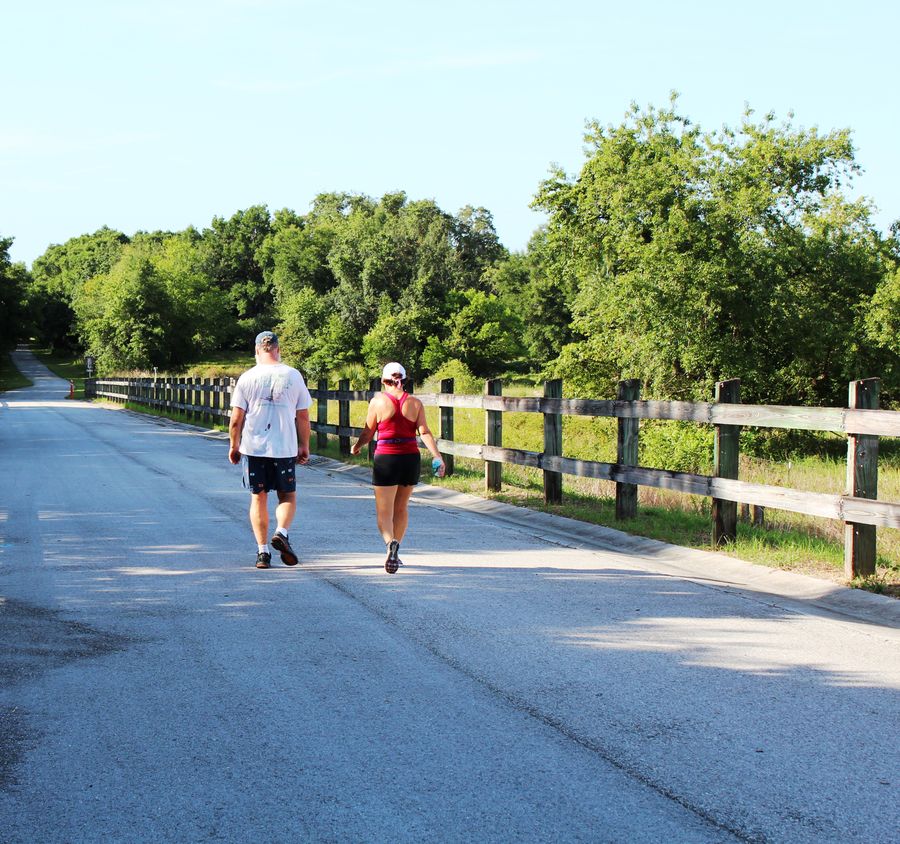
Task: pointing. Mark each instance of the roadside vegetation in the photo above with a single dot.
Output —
(10, 377)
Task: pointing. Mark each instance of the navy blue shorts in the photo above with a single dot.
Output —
(268, 473)
(396, 469)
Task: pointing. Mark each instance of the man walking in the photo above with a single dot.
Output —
(270, 428)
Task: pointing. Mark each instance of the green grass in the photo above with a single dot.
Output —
(10, 377)
(228, 363)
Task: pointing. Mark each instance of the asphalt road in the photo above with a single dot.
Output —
(522, 678)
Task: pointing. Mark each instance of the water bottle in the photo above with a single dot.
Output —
(436, 467)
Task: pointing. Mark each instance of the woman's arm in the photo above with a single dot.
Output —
(369, 429)
(428, 439)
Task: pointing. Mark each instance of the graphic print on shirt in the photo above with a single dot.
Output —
(273, 388)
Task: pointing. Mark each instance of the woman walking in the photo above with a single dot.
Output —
(396, 417)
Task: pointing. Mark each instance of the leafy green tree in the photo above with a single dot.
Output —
(199, 320)
(399, 334)
(303, 316)
(386, 270)
(694, 257)
(60, 274)
(231, 248)
(155, 307)
(484, 333)
(294, 255)
(882, 324)
(13, 283)
(533, 286)
(124, 315)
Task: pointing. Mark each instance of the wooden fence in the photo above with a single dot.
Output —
(208, 400)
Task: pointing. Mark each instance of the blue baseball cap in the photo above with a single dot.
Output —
(269, 337)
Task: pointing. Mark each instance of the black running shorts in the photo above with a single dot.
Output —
(396, 469)
(268, 473)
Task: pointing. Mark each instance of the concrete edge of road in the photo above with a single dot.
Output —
(705, 567)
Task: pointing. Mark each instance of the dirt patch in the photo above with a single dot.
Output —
(34, 640)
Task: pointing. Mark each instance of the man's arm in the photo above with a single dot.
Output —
(302, 422)
(235, 427)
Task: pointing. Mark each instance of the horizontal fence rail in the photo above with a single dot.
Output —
(209, 400)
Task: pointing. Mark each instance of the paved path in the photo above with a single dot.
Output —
(523, 678)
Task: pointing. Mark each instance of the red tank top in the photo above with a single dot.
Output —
(397, 435)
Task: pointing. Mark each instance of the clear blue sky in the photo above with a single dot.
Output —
(159, 115)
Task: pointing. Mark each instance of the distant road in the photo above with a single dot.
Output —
(522, 678)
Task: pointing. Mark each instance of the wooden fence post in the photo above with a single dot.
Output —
(217, 400)
(344, 417)
(862, 482)
(553, 443)
(322, 413)
(627, 433)
(493, 435)
(226, 397)
(446, 429)
(725, 464)
(207, 401)
(197, 398)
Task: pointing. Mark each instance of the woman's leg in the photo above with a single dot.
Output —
(384, 511)
(401, 511)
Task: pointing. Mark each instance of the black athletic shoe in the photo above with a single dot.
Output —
(392, 563)
(264, 560)
(280, 543)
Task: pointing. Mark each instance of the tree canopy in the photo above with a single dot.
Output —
(676, 255)
(13, 288)
(695, 257)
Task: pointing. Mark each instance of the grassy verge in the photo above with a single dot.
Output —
(787, 541)
(10, 377)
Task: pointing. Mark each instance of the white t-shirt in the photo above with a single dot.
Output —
(271, 395)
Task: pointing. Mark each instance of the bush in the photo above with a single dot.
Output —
(677, 446)
(463, 379)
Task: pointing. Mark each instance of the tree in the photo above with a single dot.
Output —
(13, 283)
(124, 315)
(386, 271)
(60, 274)
(399, 334)
(694, 257)
(199, 320)
(155, 307)
(484, 334)
(231, 247)
(533, 286)
(294, 255)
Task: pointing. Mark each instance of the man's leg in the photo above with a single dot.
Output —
(284, 514)
(286, 509)
(259, 517)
